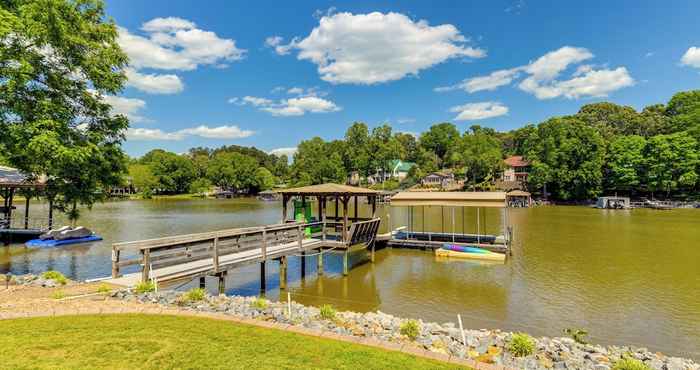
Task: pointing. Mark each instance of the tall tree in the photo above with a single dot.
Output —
(357, 156)
(684, 111)
(384, 148)
(672, 162)
(315, 163)
(481, 153)
(625, 163)
(57, 58)
(439, 139)
(173, 172)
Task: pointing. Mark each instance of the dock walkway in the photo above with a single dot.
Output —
(214, 253)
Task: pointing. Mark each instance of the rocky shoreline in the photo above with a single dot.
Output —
(488, 346)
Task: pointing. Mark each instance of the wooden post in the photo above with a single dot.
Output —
(345, 218)
(50, 213)
(26, 212)
(356, 208)
(146, 272)
(336, 208)
(222, 283)
(284, 208)
(264, 244)
(283, 272)
(345, 263)
(374, 206)
(215, 259)
(319, 262)
(9, 209)
(115, 262)
(303, 265)
(372, 253)
(300, 234)
(262, 277)
(202, 282)
(320, 207)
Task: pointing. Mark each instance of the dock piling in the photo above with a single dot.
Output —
(262, 278)
(345, 263)
(303, 264)
(319, 262)
(222, 283)
(283, 273)
(202, 282)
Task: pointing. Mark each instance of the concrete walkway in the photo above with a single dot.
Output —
(23, 302)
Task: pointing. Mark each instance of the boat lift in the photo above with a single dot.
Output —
(406, 237)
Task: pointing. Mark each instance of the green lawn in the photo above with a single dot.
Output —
(155, 342)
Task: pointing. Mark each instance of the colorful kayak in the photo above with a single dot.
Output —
(50, 243)
(459, 251)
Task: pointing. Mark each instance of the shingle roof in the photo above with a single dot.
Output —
(328, 189)
(13, 177)
(516, 161)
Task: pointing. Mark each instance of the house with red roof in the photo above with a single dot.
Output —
(516, 171)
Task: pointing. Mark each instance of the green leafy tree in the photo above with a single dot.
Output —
(57, 59)
(440, 139)
(626, 163)
(200, 186)
(142, 178)
(357, 155)
(315, 163)
(684, 111)
(173, 172)
(481, 153)
(672, 162)
(232, 170)
(384, 148)
(609, 119)
(264, 180)
(409, 146)
(568, 158)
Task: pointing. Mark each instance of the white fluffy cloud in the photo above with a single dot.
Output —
(173, 44)
(691, 57)
(221, 132)
(542, 77)
(376, 47)
(307, 100)
(478, 111)
(283, 151)
(154, 83)
(129, 107)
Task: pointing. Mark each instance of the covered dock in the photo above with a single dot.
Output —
(191, 256)
(12, 228)
(407, 237)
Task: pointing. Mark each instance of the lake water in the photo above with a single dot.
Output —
(628, 277)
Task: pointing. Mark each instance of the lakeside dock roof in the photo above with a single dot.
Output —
(329, 189)
(13, 178)
(450, 199)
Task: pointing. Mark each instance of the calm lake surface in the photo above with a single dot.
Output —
(628, 277)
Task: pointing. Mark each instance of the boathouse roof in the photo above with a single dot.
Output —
(450, 199)
(329, 189)
(516, 161)
(13, 178)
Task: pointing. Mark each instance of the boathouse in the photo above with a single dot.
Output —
(12, 228)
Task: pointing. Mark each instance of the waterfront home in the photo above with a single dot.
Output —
(440, 179)
(397, 170)
(515, 173)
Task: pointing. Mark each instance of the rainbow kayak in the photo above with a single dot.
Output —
(459, 251)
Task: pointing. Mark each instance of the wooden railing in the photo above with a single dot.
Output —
(181, 249)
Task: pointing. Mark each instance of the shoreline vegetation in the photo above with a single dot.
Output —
(444, 341)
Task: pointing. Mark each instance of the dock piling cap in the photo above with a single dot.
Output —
(450, 199)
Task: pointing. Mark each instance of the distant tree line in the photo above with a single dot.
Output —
(230, 168)
(603, 148)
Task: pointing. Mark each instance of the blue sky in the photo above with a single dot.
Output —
(270, 74)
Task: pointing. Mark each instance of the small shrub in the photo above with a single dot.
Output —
(59, 294)
(195, 295)
(55, 276)
(327, 312)
(578, 335)
(260, 303)
(411, 329)
(630, 364)
(521, 345)
(145, 287)
(104, 289)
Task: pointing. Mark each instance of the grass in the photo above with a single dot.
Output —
(327, 312)
(630, 364)
(156, 342)
(55, 276)
(521, 345)
(104, 289)
(145, 287)
(193, 295)
(260, 303)
(411, 329)
(59, 294)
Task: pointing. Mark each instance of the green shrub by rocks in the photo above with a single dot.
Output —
(59, 294)
(103, 289)
(327, 312)
(260, 303)
(55, 276)
(521, 345)
(578, 335)
(411, 329)
(195, 295)
(145, 287)
(630, 364)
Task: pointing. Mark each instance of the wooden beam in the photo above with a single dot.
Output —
(26, 211)
(285, 199)
(345, 218)
(262, 278)
(374, 206)
(356, 209)
(283, 272)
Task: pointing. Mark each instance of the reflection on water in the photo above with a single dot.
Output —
(625, 276)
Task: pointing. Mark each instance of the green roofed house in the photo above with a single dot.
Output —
(398, 170)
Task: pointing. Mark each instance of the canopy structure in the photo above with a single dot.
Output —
(341, 194)
(329, 189)
(450, 199)
(11, 180)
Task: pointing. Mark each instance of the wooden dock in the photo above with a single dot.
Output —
(214, 253)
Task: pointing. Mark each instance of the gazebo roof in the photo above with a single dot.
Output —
(450, 199)
(328, 189)
(518, 193)
(13, 178)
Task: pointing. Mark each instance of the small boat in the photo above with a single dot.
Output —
(467, 252)
(64, 236)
